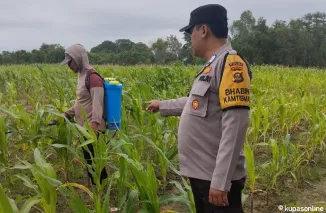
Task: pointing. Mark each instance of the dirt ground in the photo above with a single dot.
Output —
(315, 195)
(310, 194)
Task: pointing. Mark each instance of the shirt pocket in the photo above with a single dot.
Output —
(198, 103)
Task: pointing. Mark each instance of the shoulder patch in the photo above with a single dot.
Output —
(207, 70)
(234, 89)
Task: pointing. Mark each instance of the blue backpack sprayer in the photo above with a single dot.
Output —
(112, 101)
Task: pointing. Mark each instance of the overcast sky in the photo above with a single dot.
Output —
(26, 24)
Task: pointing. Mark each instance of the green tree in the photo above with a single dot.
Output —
(124, 45)
(173, 49)
(186, 52)
(145, 55)
(159, 49)
(105, 47)
(7, 57)
(37, 57)
(22, 57)
(53, 53)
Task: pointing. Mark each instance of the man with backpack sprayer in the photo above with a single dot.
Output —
(94, 95)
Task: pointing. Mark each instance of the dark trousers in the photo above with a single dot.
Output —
(88, 159)
(200, 189)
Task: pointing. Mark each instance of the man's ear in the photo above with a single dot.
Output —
(204, 31)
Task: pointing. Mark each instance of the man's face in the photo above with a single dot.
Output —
(196, 40)
(73, 65)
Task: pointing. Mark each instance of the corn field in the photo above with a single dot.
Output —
(42, 168)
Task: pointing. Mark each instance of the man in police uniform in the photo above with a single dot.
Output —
(214, 116)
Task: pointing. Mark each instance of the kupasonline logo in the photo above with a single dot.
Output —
(300, 209)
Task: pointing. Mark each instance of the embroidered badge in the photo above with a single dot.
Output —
(238, 77)
(195, 104)
(207, 70)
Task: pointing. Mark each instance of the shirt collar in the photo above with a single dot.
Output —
(225, 47)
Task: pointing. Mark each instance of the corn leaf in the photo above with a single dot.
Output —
(29, 204)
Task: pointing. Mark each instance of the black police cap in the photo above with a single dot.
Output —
(207, 14)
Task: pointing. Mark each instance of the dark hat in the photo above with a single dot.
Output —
(207, 14)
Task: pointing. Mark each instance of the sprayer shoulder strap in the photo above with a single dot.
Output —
(88, 78)
(87, 83)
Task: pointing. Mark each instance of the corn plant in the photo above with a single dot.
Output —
(32, 127)
(252, 177)
(184, 196)
(63, 144)
(7, 205)
(78, 205)
(3, 143)
(45, 177)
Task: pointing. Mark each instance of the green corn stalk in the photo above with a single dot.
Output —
(184, 196)
(76, 203)
(130, 206)
(277, 170)
(266, 123)
(63, 144)
(138, 116)
(12, 93)
(146, 184)
(161, 139)
(45, 178)
(190, 196)
(122, 179)
(168, 155)
(282, 112)
(272, 169)
(3, 143)
(30, 125)
(99, 160)
(285, 151)
(147, 187)
(7, 205)
(250, 162)
(297, 160)
(255, 122)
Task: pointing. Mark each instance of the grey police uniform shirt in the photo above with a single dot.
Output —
(210, 141)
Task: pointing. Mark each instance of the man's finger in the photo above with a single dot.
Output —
(225, 199)
(219, 199)
(211, 198)
(215, 200)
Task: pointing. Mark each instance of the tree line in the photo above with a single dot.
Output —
(300, 42)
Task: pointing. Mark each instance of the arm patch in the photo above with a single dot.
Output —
(234, 89)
